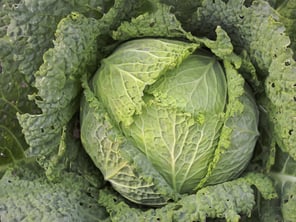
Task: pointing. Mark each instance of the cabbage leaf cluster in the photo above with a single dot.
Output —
(154, 110)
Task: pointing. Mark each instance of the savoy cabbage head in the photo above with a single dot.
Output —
(154, 110)
(175, 107)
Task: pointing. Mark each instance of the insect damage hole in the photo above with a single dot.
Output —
(287, 62)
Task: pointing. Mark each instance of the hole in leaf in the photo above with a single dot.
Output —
(38, 98)
(273, 85)
(247, 4)
(9, 181)
(114, 200)
(287, 63)
(290, 132)
(152, 24)
(177, 207)
(89, 194)
(42, 130)
(241, 16)
(80, 203)
(294, 98)
(286, 201)
(158, 219)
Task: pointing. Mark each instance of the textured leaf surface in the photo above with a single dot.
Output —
(29, 40)
(123, 76)
(227, 200)
(26, 195)
(13, 98)
(58, 83)
(75, 54)
(286, 9)
(26, 30)
(239, 132)
(159, 22)
(177, 132)
(267, 46)
(120, 162)
(284, 174)
(161, 119)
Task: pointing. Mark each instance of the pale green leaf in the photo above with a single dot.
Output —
(228, 200)
(123, 76)
(121, 163)
(284, 175)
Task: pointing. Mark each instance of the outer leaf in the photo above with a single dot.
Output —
(58, 78)
(26, 195)
(158, 22)
(226, 200)
(183, 9)
(271, 57)
(58, 83)
(13, 98)
(284, 175)
(22, 44)
(126, 168)
(287, 11)
(30, 40)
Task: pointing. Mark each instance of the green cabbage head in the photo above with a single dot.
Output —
(165, 117)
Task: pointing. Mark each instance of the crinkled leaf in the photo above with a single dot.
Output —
(58, 84)
(158, 22)
(222, 47)
(183, 9)
(239, 132)
(267, 46)
(284, 175)
(228, 200)
(13, 98)
(22, 44)
(178, 133)
(27, 195)
(122, 164)
(287, 9)
(32, 25)
(74, 55)
(120, 85)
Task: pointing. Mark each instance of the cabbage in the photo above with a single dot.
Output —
(153, 110)
(168, 101)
